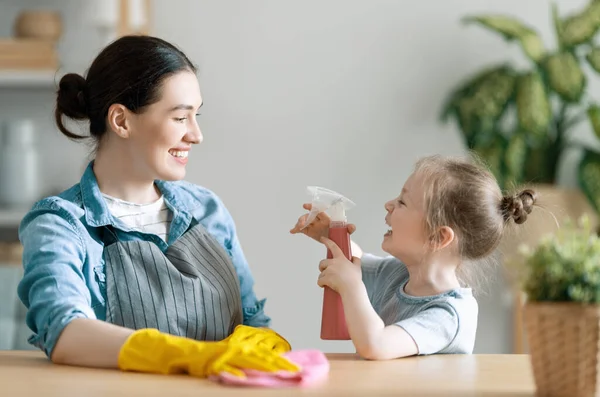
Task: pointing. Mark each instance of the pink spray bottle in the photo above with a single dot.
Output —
(333, 320)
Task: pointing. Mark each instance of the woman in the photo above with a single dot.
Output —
(131, 256)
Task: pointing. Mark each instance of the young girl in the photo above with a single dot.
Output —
(449, 214)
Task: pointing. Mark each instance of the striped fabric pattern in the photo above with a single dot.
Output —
(191, 290)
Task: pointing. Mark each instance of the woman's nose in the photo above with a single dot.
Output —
(195, 134)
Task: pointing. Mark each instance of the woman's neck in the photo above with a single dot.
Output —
(432, 277)
(117, 178)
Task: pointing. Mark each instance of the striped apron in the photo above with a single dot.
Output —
(190, 290)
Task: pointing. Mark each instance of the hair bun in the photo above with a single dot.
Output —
(518, 206)
(72, 96)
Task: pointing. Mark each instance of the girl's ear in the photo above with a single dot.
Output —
(442, 238)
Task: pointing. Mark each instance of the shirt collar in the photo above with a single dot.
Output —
(97, 212)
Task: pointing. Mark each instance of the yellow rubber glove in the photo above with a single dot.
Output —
(148, 350)
(263, 337)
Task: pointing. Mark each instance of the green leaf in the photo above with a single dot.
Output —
(515, 157)
(510, 28)
(589, 177)
(537, 165)
(493, 155)
(558, 26)
(565, 76)
(594, 117)
(564, 266)
(533, 106)
(480, 101)
(593, 58)
(581, 27)
(468, 86)
(533, 46)
(513, 29)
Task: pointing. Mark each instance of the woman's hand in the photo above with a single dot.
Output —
(338, 273)
(318, 228)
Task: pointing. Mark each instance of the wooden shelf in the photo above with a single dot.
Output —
(29, 79)
(11, 218)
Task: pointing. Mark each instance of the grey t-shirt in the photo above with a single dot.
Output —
(444, 323)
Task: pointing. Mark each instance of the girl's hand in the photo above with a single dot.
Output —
(318, 228)
(339, 273)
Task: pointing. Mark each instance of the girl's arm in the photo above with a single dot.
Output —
(356, 250)
(372, 339)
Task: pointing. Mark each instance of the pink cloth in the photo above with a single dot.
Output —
(314, 364)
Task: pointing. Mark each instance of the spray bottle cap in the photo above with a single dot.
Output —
(325, 199)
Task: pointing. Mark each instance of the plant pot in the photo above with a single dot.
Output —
(556, 205)
(564, 348)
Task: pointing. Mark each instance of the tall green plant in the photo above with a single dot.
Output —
(520, 121)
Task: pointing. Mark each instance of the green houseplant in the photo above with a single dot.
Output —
(561, 280)
(520, 120)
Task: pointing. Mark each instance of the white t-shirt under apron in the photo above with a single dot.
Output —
(152, 218)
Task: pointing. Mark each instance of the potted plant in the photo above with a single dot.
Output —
(520, 120)
(561, 280)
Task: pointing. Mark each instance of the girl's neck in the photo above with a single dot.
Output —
(432, 278)
(118, 178)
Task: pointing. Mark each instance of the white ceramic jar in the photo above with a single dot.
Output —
(19, 180)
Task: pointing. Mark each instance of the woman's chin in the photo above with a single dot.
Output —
(171, 174)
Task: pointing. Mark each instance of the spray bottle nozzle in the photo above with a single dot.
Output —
(325, 199)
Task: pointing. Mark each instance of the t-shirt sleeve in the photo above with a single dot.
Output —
(379, 274)
(433, 328)
(370, 267)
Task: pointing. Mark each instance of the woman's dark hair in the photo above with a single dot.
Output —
(129, 71)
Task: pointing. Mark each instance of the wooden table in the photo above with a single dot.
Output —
(31, 374)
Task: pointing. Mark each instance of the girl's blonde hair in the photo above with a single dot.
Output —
(464, 195)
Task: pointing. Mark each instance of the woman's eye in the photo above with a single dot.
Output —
(400, 202)
(181, 119)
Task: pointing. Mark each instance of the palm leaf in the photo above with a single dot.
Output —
(513, 29)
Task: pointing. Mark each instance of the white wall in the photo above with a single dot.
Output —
(343, 94)
(340, 93)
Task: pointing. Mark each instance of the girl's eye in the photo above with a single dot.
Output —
(400, 202)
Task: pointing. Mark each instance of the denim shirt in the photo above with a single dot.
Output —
(64, 275)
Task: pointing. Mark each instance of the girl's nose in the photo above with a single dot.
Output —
(389, 206)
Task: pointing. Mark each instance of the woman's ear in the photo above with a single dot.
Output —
(118, 120)
(443, 237)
